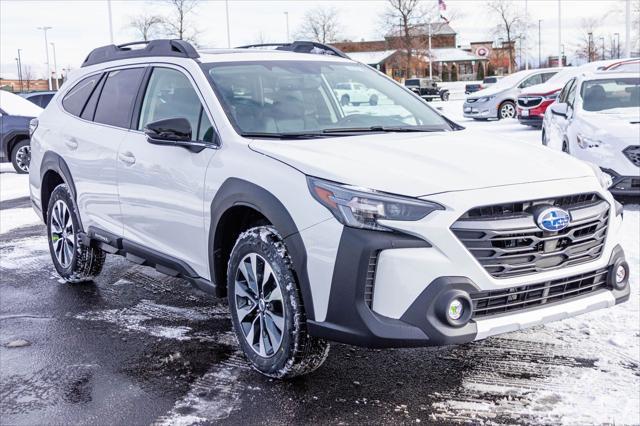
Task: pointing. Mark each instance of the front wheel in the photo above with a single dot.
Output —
(266, 307)
(507, 110)
(444, 96)
(73, 261)
(545, 142)
(344, 100)
(21, 156)
(373, 100)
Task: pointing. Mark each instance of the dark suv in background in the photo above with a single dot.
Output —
(15, 116)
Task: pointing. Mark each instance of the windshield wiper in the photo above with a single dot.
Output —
(389, 129)
(309, 135)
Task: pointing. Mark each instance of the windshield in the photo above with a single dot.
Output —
(610, 93)
(266, 98)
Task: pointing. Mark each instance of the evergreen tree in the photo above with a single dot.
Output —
(454, 73)
(480, 74)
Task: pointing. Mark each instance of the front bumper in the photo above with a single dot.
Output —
(389, 289)
(479, 110)
(535, 120)
(624, 185)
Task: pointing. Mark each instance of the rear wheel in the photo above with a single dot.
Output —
(565, 147)
(507, 110)
(21, 156)
(73, 261)
(266, 308)
(344, 100)
(373, 100)
(444, 95)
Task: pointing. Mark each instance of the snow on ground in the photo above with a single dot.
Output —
(11, 219)
(12, 185)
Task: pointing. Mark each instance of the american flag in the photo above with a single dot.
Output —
(442, 5)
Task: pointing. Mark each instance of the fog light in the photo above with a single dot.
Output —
(621, 274)
(455, 309)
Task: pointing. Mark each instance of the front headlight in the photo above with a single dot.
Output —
(585, 142)
(485, 98)
(362, 208)
(605, 179)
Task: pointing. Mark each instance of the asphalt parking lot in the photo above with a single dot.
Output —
(137, 347)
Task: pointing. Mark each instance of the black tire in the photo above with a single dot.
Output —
(80, 263)
(21, 156)
(344, 100)
(444, 95)
(296, 353)
(507, 110)
(373, 100)
(545, 142)
(565, 147)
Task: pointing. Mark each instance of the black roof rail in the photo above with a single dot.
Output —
(301, 47)
(164, 47)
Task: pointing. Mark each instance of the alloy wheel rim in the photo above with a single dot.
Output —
(259, 305)
(508, 111)
(23, 158)
(62, 233)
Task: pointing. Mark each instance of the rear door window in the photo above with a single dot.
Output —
(118, 97)
(74, 101)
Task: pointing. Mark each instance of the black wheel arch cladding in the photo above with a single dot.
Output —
(238, 192)
(52, 162)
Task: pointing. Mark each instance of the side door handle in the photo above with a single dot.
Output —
(127, 157)
(72, 143)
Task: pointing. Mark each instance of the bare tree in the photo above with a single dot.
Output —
(178, 24)
(27, 76)
(146, 26)
(401, 18)
(585, 47)
(320, 24)
(510, 24)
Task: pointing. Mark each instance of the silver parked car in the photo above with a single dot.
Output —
(499, 100)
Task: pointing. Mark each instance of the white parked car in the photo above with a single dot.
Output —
(355, 94)
(499, 100)
(597, 119)
(242, 173)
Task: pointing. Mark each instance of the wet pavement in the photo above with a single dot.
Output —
(137, 347)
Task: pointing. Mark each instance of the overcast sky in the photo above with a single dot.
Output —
(80, 25)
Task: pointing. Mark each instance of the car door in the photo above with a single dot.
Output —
(557, 122)
(100, 106)
(161, 187)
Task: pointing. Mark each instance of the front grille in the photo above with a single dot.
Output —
(506, 241)
(633, 154)
(497, 302)
(371, 279)
(519, 208)
(530, 102)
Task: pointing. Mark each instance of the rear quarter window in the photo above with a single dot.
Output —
(76, 98)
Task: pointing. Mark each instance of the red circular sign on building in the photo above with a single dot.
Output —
(482, 51)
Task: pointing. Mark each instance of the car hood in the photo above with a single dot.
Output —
(619, 123)
(541, 89)
(418, 164)
(489, 91)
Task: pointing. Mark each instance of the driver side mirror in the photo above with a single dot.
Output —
(169, 131)
(174, 132)
(559, 109)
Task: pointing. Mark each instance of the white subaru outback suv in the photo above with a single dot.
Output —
(384, 225)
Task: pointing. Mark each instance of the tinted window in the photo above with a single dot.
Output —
(90, 108)
(531, 81)
(74, 100)
(562, 98)
(170, 95)
(118, 96)
(546, 76)
(45, 99)
(604, 94)
(37, 99)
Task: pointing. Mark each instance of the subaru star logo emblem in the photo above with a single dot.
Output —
(553, 219)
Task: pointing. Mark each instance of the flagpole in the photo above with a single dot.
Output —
(559, 34)
(627, 41)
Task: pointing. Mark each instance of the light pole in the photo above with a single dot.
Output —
(559, 34)
(110, 22)
(20, 69)
(286, 17)
(627, 37)
(589, 46)
(55, 65)
(539, 44)
(46, 49)
(226, 7)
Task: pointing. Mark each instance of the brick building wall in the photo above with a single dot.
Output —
(27, 86)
